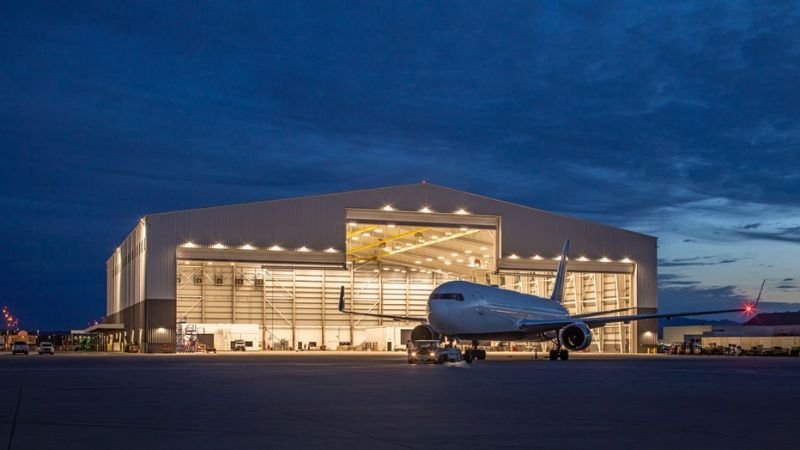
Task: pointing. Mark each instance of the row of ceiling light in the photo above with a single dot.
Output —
(304, 249)
(427, 210)
(581, 259)
(273, 248)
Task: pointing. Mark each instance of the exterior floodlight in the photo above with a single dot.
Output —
(513, 256)
(276, 248)
(626, 260)
(304, 249)
(604, 259)
(189, 244)
(583, 258)
(218, 246)
(425, 209)
(387, 208)
(461, 211)
(247, 247)
(331, 250)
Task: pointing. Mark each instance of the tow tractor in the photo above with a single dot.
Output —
(432, 351)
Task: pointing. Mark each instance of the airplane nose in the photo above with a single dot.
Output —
(437, 312)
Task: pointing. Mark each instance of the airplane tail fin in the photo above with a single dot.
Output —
(561, 274)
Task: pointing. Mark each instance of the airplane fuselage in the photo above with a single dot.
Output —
(467, 310)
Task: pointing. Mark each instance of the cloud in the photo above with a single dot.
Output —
(696, 261)
(784, 234)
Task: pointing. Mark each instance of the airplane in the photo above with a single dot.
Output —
(461, 310)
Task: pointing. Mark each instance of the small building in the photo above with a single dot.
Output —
(766, 330)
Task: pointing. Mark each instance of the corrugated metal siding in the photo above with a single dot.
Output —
(319, 222)
(125, 272)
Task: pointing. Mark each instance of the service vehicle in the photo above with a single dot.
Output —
(432, 351)
(239, 346)
(20, 347)
(47, 347)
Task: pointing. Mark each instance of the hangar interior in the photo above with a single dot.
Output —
(276, 298)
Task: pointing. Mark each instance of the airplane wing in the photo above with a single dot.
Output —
(387, 316)
(602, 313)
(539, 326)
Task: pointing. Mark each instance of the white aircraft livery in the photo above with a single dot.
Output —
(460, 310)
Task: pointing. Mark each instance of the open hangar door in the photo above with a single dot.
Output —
(410, 253)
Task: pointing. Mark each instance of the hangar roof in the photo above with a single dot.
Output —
(414, 188)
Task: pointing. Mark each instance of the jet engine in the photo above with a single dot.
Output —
(576, 336)
(424, 333)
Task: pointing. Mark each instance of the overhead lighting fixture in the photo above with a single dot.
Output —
(386, 269)
(391, 225)
(604, 259)
(486, 255)
(304, 249)
(557, 258)
(468, 251)
(379, 230)
(188, 244)
(537, 258)
(429, 259)
(387, 208)
(440, 257)
(513, 256)
(461, 211)
(417, 262)
(463, 228)
(218, 245)
(355, 238)
(459, 260)
(276, 248)
(448, 233)
(365, 234)
(425, 209)
(352, 224)
(447, 263)
(247, 247)
(626, 260)
(435, 236)
(331, 250)
(582, 259)
(361, 261)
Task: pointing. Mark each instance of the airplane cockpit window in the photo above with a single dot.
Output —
(447, 296)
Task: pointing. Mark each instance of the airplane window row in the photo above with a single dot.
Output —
(447, 296)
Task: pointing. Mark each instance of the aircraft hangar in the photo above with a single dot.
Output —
(266, 275)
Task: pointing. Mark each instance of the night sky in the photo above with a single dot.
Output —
(676, 119)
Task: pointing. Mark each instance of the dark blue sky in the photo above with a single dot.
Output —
(678, 119)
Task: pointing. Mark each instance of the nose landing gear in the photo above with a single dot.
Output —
(474, 353)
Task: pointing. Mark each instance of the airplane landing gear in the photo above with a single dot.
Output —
(473, 353)
(559, 353)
